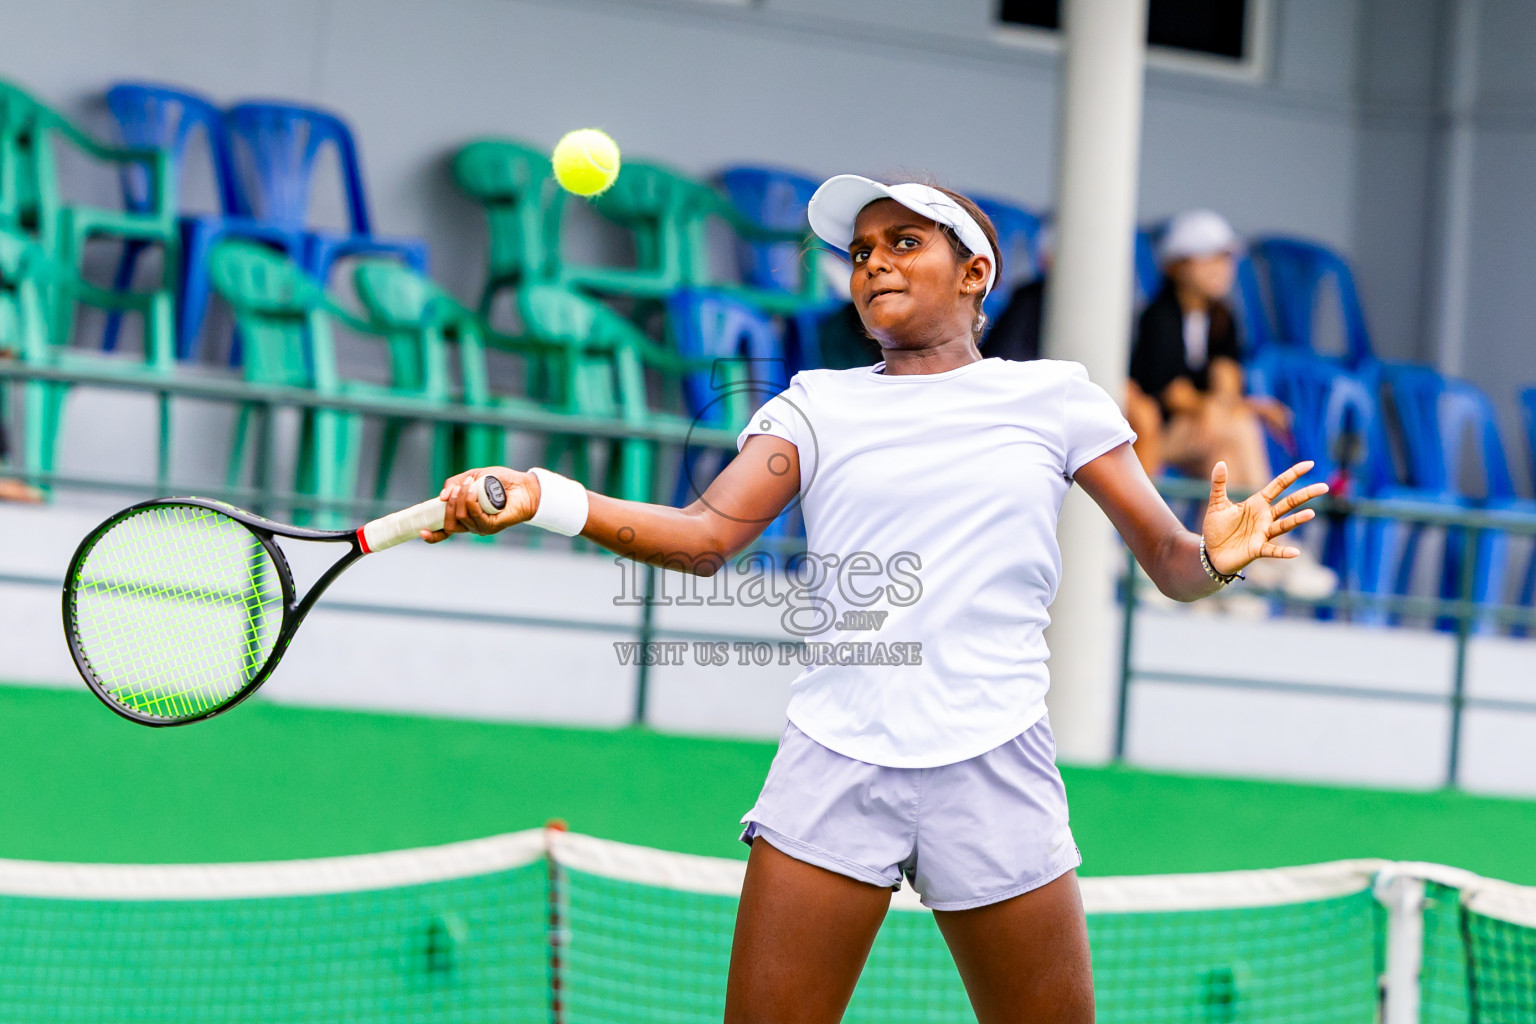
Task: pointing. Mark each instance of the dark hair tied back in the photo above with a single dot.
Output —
(962, 253)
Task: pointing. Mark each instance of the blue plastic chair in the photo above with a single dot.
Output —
(705, 325)
(1018, 242)
(1148, 272)
(1440, 419)
(153, 116)
(1528, 416)
(1338, 425)
(165, 117)
(1254, 311)
(1293, 272)
(275, 146)
(776, 198)
(1296, 382)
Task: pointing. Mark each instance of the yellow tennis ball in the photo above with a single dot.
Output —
(586, 161)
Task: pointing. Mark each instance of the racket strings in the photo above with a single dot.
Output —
(176, 610)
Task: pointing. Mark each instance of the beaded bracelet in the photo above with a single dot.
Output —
(1223, 578)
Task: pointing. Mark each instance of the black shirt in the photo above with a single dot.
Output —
(1016, 335)
(1158, 358)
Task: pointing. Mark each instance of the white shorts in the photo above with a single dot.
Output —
(964, 834)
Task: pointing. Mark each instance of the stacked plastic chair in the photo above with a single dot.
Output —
(27, 275)
(1527, 399)
(1292, 274)
(264, 157)
(154, 116)
(275, 149)
(514, 185)
(668, 216)
(32, 203)
(288, 323)
(741, 364)
(1338, 425)
(1440, 418)
(604, 375)
(414, 314)
(778, 199)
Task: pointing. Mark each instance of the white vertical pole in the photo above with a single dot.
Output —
(1403, 896)
(1088, 319)
(1458, 100)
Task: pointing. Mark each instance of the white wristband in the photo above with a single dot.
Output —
(562, 503)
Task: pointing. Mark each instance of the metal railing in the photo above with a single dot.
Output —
(266, 399)
(1466, 526)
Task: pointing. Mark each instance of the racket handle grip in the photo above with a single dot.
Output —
(407, 524)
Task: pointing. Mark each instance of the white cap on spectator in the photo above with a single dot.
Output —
(1197, 233)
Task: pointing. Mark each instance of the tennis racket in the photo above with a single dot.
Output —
(178, 609)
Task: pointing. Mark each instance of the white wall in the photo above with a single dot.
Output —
(1399, 142)
(1501, 309)
(1404, 203)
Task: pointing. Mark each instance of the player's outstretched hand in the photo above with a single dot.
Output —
(1236, 534)
(464, 514)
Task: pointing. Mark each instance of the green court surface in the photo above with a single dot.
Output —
(267, 782)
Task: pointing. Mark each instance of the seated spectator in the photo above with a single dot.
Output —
(1186, 398)
(1187, 380)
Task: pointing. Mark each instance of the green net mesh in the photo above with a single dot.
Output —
(1501, 979)
(1443, 978)
(1292, 963)
(176, 608)
(463, 950)
(635, 952)
(585, 945)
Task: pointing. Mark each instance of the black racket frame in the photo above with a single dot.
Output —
(294, 609)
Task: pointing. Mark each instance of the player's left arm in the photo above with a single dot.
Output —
(1236, 533)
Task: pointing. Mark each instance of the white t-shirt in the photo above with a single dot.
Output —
(932, 498)
(1197, 337)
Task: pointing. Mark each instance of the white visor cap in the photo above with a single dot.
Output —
(837, 203)
(1197, 233)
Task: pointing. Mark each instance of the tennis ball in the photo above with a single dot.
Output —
(586, 161)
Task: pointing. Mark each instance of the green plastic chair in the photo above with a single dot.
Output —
(31, 200)
(514, 184)
(603, 375)
(26, 276)
(668, 215)
(286, 322)
(415, 315)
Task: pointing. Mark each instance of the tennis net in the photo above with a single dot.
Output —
(554, 927)
(450, 934)
(1479, 946)
(647, 937)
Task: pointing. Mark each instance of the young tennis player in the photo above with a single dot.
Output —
(941, 769)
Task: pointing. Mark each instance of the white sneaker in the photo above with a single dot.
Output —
(1306, 577)
(1265, 574)
(1238, 605)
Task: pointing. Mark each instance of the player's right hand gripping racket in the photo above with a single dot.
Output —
(177, 609)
